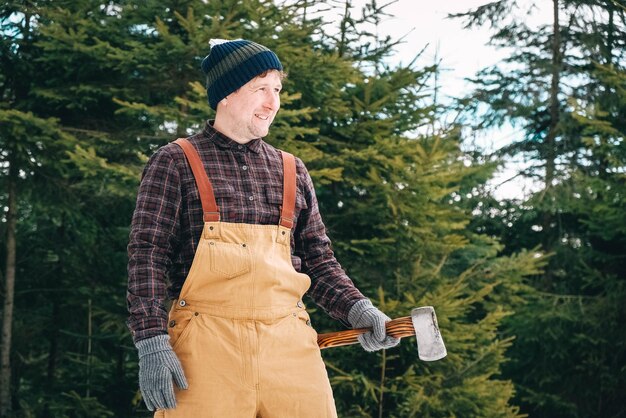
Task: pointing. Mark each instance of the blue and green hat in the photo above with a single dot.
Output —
(231, 64)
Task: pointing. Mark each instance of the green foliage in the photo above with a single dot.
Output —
(92, 89)
(467, 382)
(568, 357)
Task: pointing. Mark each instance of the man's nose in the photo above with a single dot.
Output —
(272, 100)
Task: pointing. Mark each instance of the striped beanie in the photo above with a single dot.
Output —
(231, 64)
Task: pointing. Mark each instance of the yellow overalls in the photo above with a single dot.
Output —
(239, 326)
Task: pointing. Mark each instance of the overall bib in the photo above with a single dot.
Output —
(239, 326)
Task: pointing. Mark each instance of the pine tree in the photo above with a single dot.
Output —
(110, 82)
(68, 208)
(562, 362)
(401, 237)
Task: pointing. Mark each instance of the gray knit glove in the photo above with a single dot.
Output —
(158, 364)
(365, 315)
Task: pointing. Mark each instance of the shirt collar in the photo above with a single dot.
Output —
(225, 142)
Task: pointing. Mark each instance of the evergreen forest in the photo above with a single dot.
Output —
(530, 292)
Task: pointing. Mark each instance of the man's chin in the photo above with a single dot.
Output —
(260, 133)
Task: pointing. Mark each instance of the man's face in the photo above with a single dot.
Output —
(248, 113)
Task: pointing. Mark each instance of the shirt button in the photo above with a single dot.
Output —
(250, 198)
(245, 167)
(239, 146)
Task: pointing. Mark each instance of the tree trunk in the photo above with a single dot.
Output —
(89, 347)
(550, 141)
(343, 28)
(20, 87)
(383, 368)
(610, 37)
(7, 313)
(54, 341)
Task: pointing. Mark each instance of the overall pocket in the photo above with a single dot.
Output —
(305, 324)
(229, 260)
(179, 326)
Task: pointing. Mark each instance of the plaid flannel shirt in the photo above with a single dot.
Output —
(247, 181)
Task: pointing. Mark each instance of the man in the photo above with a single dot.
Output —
(233, 224)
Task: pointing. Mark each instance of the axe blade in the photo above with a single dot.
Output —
(430, 346)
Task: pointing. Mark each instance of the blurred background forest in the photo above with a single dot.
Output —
(530, 292)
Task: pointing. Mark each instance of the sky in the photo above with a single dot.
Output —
(461, 53)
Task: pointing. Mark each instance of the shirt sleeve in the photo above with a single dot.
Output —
(153, 239)
(331, 288)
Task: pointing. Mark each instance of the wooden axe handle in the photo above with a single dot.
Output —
(398, 328)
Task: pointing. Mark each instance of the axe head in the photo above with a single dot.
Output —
(430, 345)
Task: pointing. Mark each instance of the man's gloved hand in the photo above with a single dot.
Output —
(365, 315)
(158, 365)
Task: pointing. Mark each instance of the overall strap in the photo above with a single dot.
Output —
(209, 206)
(289, 190)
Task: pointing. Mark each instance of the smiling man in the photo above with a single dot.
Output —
(228, 228)
(248, 113)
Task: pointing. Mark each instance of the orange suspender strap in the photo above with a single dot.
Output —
(289, 190)
(209, 206)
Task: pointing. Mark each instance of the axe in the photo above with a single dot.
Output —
(422, 323)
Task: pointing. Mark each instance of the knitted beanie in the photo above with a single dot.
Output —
(231, 64)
